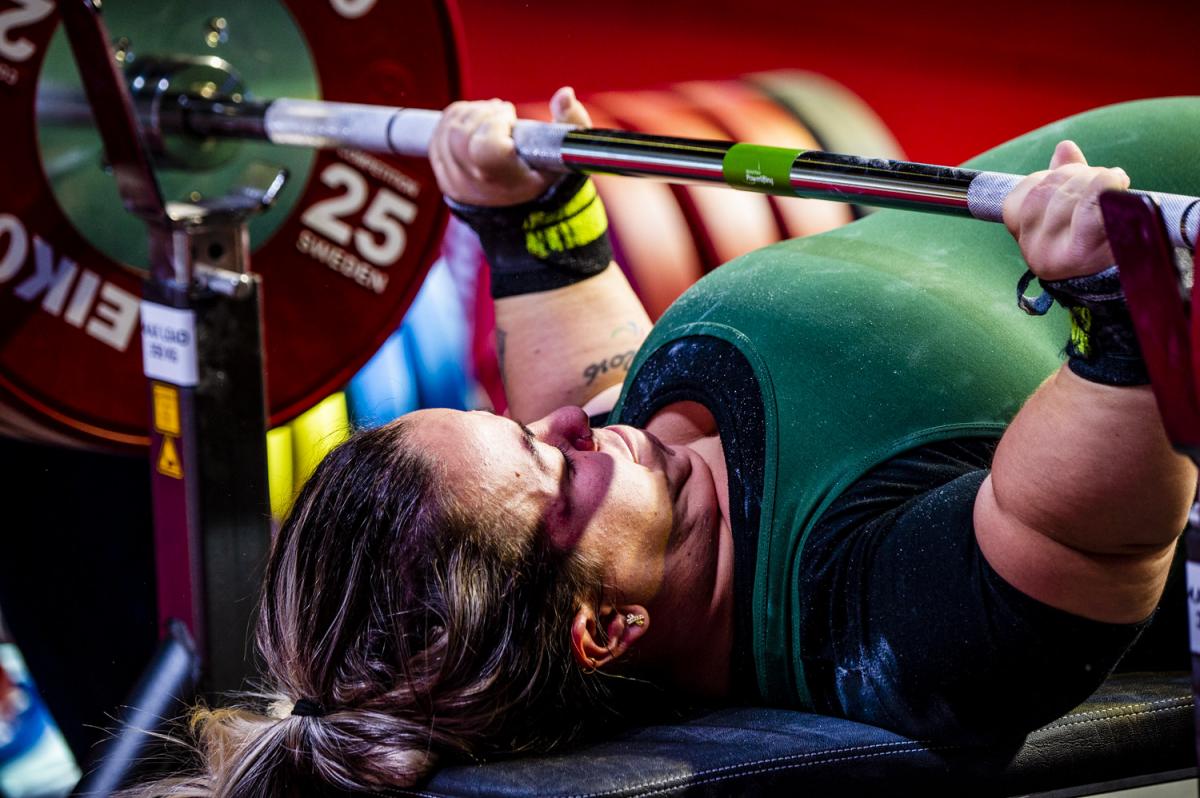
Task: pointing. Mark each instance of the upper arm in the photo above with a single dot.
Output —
(1109, 586)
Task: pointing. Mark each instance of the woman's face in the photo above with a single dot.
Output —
(614, 494)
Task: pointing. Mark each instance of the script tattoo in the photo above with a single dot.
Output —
(618, 361)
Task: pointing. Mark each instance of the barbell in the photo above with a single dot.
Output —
(358, 223)
(560, 148)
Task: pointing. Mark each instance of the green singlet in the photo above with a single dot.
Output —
(895, 331)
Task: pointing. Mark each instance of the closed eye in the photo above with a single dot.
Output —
(568, 462)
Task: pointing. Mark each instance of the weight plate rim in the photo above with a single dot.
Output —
(108, 426)
(792, 88)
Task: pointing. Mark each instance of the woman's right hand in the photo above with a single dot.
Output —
(473, 154)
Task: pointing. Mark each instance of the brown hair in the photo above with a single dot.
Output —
(426, 632)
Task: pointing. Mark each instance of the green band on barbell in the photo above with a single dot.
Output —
(759, 168)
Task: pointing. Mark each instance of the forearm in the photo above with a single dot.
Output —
(1089, 466)
(567, 322)
(564, 346)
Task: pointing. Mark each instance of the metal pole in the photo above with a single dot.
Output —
(163, 692)
(202, 351)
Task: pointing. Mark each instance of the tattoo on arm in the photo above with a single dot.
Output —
(620, 361)
(501, 340)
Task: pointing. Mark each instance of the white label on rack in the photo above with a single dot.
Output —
(1193, 592)
(169, 344)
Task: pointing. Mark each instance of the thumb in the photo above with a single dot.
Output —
(565, 107)
(1067, 152)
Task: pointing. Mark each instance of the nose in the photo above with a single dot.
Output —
(568, 425)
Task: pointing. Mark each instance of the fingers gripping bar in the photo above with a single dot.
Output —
(750, 167)
(985, 200)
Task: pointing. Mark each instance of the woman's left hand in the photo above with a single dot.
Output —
(1055, 215)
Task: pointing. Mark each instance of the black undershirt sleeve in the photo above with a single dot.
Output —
(906, 626)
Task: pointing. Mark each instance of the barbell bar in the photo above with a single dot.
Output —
(556, 148)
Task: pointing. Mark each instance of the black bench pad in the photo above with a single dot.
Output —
(1136, 725)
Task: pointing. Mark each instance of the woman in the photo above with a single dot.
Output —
(805, 509)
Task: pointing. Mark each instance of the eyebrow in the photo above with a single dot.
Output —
(528, 442)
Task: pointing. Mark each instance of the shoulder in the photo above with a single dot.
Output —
(682, 423)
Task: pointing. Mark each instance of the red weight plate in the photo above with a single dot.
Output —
(70, 358)
(747, 115)
(724, 223)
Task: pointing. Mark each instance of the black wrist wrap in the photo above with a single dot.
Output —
(1103, 346)
(556, 240)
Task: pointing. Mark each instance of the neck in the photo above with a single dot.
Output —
(693, 651)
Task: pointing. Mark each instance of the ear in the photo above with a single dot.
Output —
(622, 626)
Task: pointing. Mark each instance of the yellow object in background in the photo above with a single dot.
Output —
(295, 449)
(280, 472)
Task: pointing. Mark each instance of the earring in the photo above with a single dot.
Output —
(635, 619)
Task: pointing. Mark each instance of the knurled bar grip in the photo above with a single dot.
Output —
(404, 131)
(770, 170)
(985, 200)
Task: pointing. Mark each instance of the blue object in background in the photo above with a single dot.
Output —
(440, 338)
(34, 759)
(385, 388)
(423, 364)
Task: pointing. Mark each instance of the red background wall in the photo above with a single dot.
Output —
(949, 78)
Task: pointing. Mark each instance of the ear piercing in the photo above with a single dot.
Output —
(635, 619)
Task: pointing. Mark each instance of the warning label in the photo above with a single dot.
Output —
(166, 409)
(168, 459)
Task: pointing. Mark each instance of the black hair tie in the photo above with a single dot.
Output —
(308, 708)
